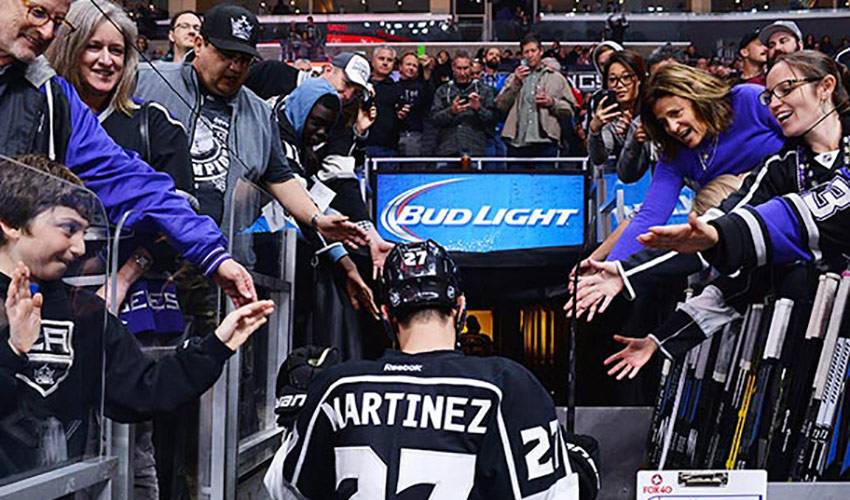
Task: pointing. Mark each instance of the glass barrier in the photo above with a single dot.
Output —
(257, 236)
(52, 400)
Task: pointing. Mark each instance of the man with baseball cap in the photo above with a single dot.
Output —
(781, 37)
(348, 73)
(232, 132)
(753, 56)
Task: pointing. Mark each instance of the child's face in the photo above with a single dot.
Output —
(52, 242)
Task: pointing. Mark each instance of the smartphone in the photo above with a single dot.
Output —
(420, 50)
(464, 100)
(612, 99)
(523, 62)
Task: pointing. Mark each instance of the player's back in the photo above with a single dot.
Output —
(435, 426)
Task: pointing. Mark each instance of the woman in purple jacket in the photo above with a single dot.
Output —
(705, 129)
(710, 135)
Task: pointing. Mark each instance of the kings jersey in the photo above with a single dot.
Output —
(433, 426)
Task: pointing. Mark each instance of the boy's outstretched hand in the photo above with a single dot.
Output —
(632, 358)
(23, 310)
(238, 326)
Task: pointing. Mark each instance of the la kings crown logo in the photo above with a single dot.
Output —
(50, 359)
(241, 28)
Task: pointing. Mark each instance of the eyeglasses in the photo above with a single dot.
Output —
(782, 89)
(237, 57)
(186, 26)
(39, 16)
(626, 80)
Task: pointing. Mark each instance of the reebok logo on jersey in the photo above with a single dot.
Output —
(402, 368)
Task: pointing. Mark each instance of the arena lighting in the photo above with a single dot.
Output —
(381, 24)
(415, 31)
(398, 26)
(366, 24)
(421, 24)
(424, 31)
(651, 8)
(432, 23)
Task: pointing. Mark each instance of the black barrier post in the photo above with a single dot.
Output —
(584, 249)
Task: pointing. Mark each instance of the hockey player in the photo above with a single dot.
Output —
(57, 362)
(425, 421)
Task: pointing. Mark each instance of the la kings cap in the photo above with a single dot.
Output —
(786, 26)
(355, 66)
(231, 27)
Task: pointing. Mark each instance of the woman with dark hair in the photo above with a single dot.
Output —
(614, 124)
(794, 208)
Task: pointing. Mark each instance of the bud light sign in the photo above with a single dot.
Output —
(482, 212)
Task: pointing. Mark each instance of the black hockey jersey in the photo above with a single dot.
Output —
(434, 426)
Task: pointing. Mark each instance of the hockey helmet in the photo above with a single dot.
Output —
(419, 275)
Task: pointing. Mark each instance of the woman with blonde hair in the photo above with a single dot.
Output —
(100, 60)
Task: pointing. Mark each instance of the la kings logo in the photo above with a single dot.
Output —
(50, 358)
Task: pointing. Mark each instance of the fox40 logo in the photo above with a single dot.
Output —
(657, 486)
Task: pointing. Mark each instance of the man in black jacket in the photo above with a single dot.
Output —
(59, 360)
(384, 134)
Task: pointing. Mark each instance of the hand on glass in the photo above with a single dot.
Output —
(339, 228)
(597, 287)
(23, 311)
(236, 282)
(238, 326)
(631, 358)
(695, 236)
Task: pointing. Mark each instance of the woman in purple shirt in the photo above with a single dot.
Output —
(711, 135)
(705, 129)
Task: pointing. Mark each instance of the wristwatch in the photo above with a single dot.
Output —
(142, 260)
(314, 221)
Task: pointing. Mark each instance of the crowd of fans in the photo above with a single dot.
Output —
(212, 113)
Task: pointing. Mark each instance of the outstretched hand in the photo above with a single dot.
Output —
(695, 236)
(598, 284)
(23, 310)
(236, 282)
(339, 228)
(357, 290)
(238, 326)
(632, 357)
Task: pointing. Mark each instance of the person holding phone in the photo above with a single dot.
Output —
(536, 99)
(462, 112)
(615, 118)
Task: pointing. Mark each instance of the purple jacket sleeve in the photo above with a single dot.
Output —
(124, 182)
(659, 203)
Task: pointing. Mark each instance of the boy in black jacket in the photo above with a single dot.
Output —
(59, 353)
